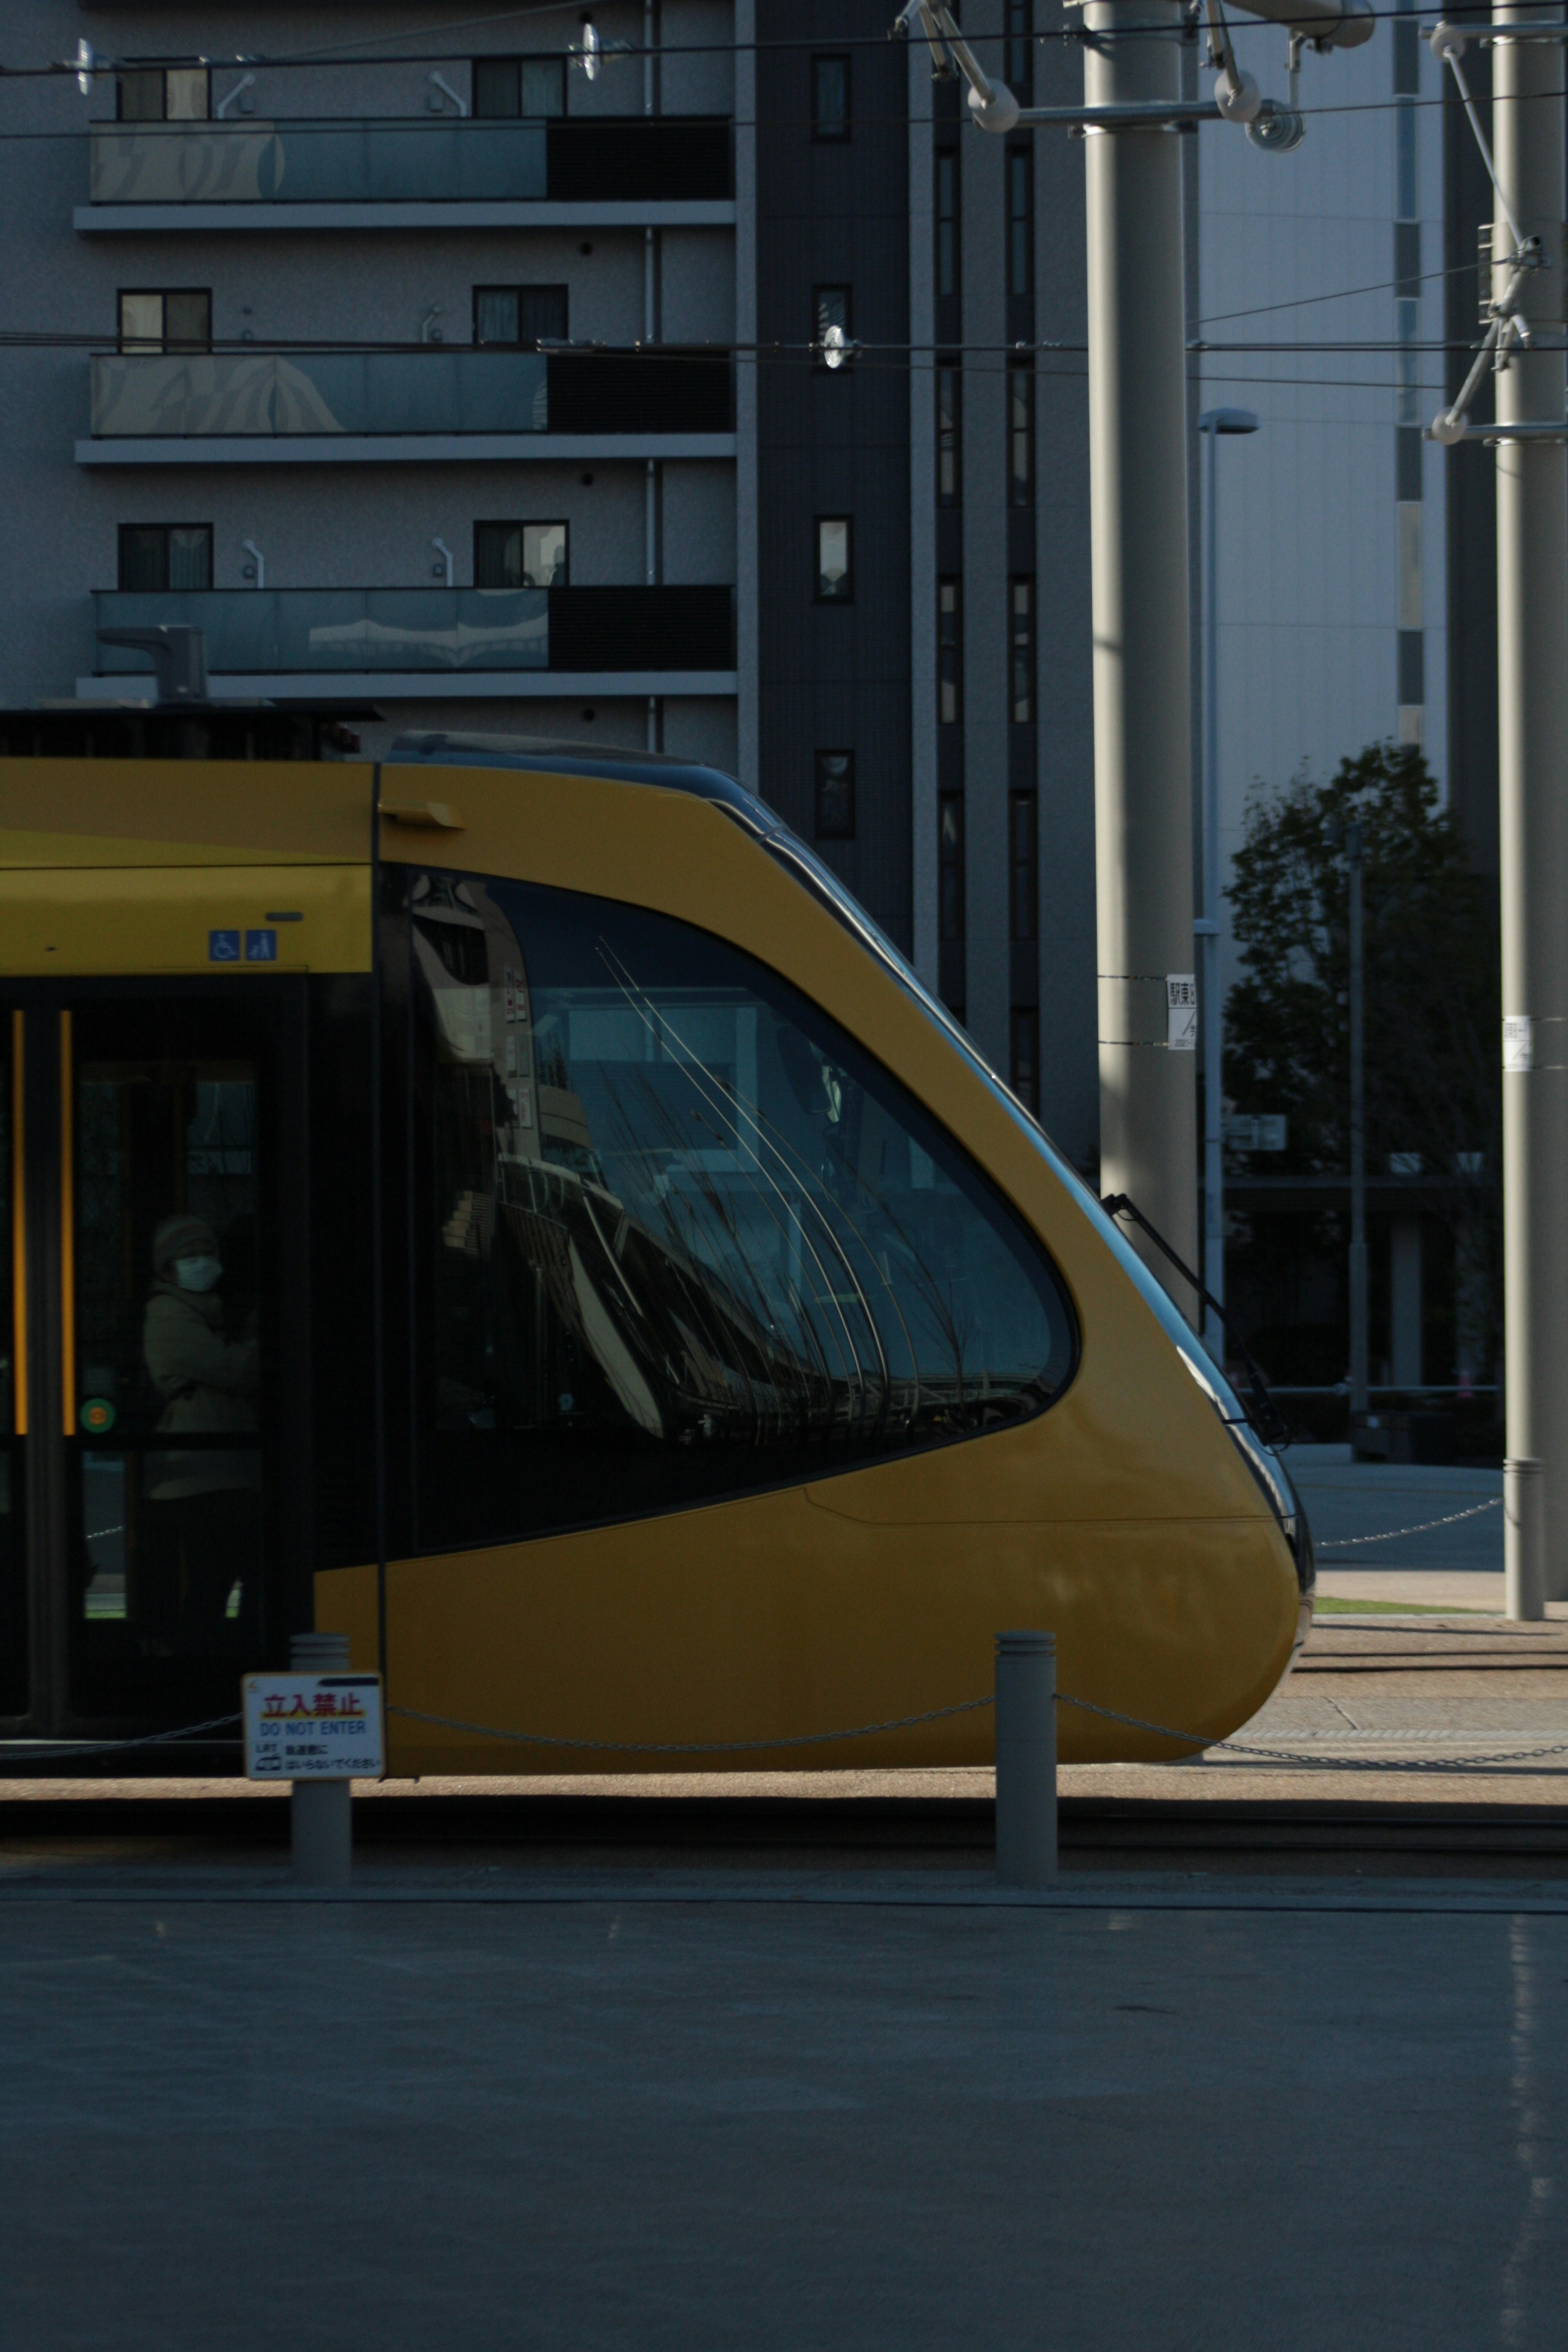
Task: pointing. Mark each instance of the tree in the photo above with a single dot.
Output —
(1432, 998)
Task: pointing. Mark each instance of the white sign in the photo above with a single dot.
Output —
(1518, 1042)
(1262, 1131)
(1182, 1012)
(313, 1728)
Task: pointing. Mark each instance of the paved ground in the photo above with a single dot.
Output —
(1457, 1565)
(723, 2127)
(500, 2101)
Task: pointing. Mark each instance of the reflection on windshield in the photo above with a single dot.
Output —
(678, 1214)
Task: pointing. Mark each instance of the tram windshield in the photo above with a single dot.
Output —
(684, 1237)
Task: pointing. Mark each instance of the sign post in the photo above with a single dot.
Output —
(319, 1727)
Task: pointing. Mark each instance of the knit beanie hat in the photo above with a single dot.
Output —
(179, 1237)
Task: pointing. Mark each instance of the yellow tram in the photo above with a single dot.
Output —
(509, 1205)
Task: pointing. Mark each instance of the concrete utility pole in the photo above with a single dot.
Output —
(1143, 727)
(1131, 118)
(1532, 777)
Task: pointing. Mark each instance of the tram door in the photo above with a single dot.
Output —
(149, 1544)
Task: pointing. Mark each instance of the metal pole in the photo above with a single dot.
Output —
(1214, 1105)
(1533, 763)
(1025, 1760)
(1524, 1540)
(1358, 1140)
(321, 1813)
(1143, 741)
(1213, 423)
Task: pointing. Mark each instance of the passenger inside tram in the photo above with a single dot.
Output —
(202, 1583)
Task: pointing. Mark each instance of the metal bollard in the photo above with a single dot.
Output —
(1025, 1760)
(321, 1813)
(1524, 1539)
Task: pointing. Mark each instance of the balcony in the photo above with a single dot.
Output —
(423, 405)
(439, 642)
(409, 173)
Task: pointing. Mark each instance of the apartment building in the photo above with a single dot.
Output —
(487, 376)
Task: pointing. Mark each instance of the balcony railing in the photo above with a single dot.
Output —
(275, 394)
(411, 161)
(281, 631)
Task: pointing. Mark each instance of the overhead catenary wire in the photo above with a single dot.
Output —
(352, 51)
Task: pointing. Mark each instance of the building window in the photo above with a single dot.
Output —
(164, 94)
(1020, 74)
(949, 652)
(949, 866)
(830, 311)
(1023, 866)
(949, 426)
(519, 315)
(830, 98)
(947, 220)
(508, 88)
(519, 555)
(834, 576)
(178, 320)
(1024, 1055)
(1020, 220)
(834, 797)
(1021, 647)
(158, 556)
(1021, 433)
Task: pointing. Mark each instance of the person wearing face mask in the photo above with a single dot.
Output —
(203, 1499)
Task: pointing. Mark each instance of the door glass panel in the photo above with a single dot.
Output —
(169, 1362)
(13, 1585)
(682, 1236)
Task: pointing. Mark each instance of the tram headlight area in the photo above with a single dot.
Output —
(621, 1299)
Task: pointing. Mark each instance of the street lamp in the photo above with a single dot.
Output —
(1349, 838)
(1213, 422)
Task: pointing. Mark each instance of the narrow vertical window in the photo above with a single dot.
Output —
(1020, 220)
(950, 865)
(949, 425)
(1021, 649)
(1020, 74)
(830, 98)
(1026, 1055)
(1021, 433)
(835, 573)
(834, 800)
(947, 220)
(832, 326)
(1405, 202)
(949, 652)
(1023, 867)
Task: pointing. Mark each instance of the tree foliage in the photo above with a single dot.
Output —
(1432, 995)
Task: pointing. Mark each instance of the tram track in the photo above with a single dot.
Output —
(1244, 1833)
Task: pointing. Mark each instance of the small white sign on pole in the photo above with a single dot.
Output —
(313, 1728)
(1518, 1042)
(1182, 1012)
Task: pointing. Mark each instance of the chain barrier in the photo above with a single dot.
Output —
(1314, 1763)
(1196, 1740)
(1342, 1543)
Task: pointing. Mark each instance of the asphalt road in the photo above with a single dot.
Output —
(719, 2128)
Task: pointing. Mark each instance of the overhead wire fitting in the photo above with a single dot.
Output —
(1506, 330)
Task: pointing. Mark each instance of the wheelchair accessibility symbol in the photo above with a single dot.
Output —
(222, 947)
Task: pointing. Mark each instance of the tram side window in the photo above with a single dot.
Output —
(683, 1237)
